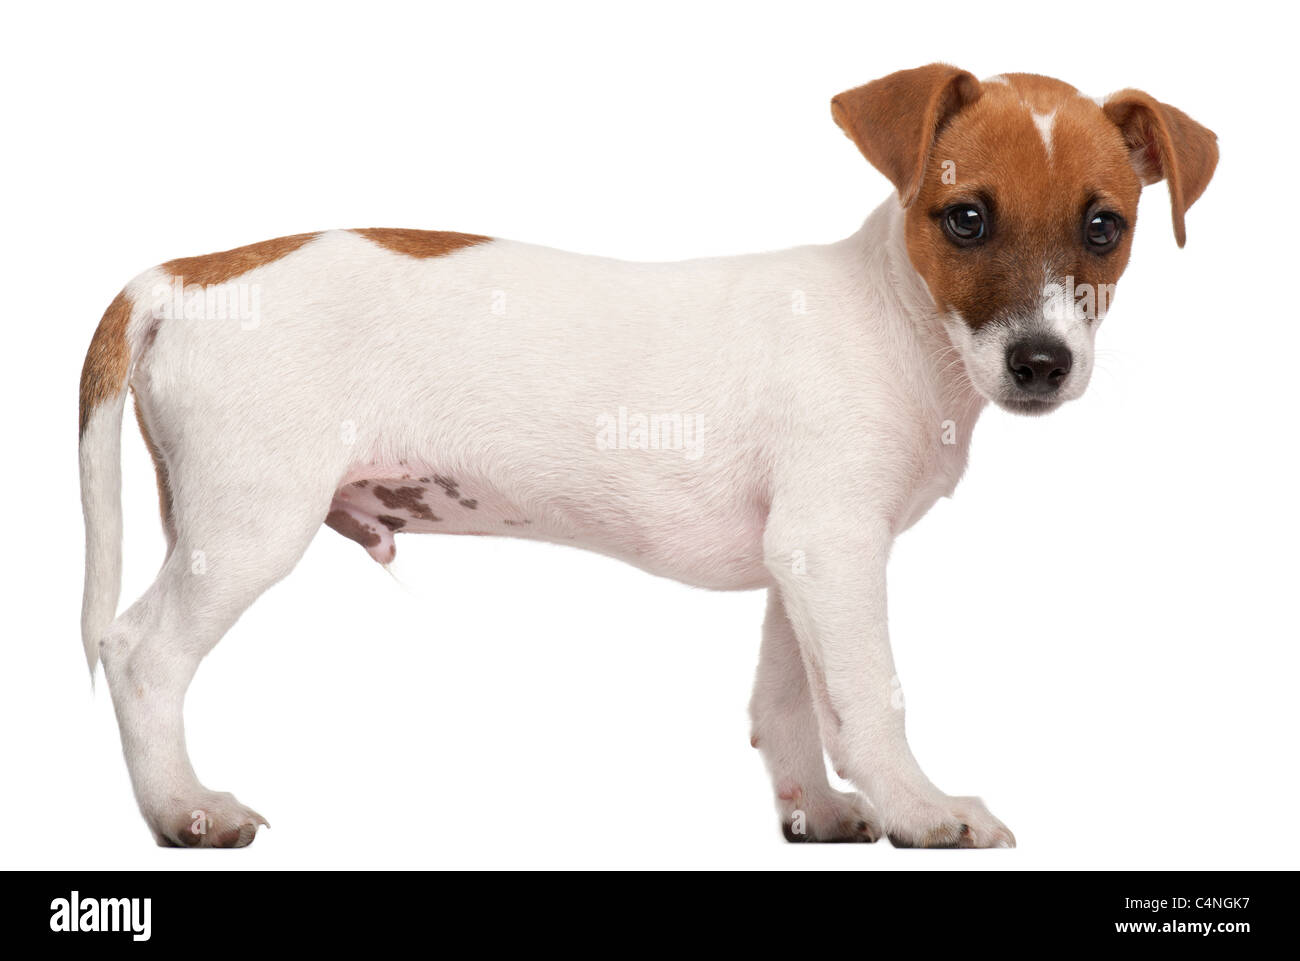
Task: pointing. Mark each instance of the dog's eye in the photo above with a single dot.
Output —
(1102, 231)
(964, 224)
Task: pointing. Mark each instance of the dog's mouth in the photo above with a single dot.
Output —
(1026, 375)
(1029, 406)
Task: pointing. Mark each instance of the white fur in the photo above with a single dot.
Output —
(1044, 123)
(837, 409)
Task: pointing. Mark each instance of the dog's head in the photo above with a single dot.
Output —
(1020, 199)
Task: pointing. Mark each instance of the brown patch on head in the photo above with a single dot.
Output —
(103, 375)
(409, 499)
(229, 264)
(1035, 91)
(350, 527)
(421, 244)
(1036, 199)
(1037, 158)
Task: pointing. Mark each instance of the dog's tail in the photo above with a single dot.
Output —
(104, 379)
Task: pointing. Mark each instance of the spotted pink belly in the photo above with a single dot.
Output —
(372, 510)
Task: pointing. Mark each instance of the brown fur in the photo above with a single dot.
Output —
(229, 264)
(1166, 144)
(107, 360)
(1038, 202)
(420, 243)
(890, 118)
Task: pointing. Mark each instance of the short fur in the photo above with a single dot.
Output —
(808, 406)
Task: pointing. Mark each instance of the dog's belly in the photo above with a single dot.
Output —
(720, 550)
(371, 510)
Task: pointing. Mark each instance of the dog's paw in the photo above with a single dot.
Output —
(828, 817)
(211, 819)
(947, 822)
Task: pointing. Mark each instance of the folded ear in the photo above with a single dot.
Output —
(894, 120)
(1165, 144)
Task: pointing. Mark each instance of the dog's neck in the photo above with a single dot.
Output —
(880, 246)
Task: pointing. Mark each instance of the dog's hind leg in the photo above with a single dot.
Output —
(228, 549)
(785, 732)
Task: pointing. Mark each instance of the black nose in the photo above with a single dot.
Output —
(1040, 365)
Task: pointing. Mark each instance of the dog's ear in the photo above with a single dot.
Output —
(1165, 144)
(894, 120)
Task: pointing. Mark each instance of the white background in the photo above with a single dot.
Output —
(1096, 634)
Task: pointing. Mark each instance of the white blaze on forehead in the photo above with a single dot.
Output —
(1044, 121)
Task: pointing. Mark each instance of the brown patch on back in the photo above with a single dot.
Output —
(103, 375)
(221, 267)
(350, 527)
(421, 244)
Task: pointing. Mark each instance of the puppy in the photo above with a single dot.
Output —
(769, 422)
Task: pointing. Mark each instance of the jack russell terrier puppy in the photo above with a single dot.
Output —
(768, 421)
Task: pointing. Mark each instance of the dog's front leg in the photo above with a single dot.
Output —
(830, 568)
(786, 733)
